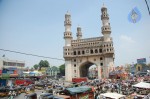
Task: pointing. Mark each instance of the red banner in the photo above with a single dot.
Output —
(0, 72)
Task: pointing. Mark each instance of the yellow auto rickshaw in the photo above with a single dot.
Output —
(30, 96)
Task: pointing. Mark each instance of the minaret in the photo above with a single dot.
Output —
(79, 33)
(106, 29)
(67, 48)
(67, 33)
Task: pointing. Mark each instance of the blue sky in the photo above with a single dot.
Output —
(37, 27)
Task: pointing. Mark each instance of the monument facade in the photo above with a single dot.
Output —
(81, 53)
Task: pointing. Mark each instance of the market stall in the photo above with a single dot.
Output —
(112, 96)
(142, 85)
(82, 92)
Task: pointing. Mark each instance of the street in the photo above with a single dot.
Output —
(21, 96)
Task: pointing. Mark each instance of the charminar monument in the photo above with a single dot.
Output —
(81, 53)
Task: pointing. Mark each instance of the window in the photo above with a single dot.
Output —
(96, 51)
(78, 52)
(74, 65)
(94, 59)
(74, 53)
(74, 71)
(101, 64)
(74, 60)
(83, 52)
(101, 58)
(100, 50)
(91, 51)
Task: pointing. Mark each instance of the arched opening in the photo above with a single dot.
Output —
(83, 52)
(89, 70)
(96, 51)
(91, 51)
(74, 53)
(139, 69)
(78, 52)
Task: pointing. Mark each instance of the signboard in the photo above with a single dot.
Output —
(141, 61)
(5, 76)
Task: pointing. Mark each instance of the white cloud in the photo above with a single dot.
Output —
(126, 39)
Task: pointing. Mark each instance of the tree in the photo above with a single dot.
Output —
(43, 63)
(36, 66)
(62, 69)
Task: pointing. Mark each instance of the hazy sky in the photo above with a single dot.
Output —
(37, 27)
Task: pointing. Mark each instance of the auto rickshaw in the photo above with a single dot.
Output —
(3, 92)
(49, 91)
(29, 90)
(30, 96)
(23, 89)
(39, 86)
(49, 85)
(18, 90)
(13, 92)
(46, 96)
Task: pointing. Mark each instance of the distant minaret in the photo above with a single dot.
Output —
(106, 29)
(67, 33)
(79, 33)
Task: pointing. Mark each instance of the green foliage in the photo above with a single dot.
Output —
(62, 69)
(36, 66)
(44, 63)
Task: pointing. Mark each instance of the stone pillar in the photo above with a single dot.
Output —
(99, 72)
(68, 70)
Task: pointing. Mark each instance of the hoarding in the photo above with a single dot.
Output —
(141, 61)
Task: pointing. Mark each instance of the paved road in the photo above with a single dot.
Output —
(21, 96)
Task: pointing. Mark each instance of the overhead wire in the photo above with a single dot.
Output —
(147, 6)
(30, 54)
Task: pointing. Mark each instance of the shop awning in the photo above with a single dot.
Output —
(142, 85)
(112, 95)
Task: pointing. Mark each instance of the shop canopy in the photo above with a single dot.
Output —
(142, 85)
(77, 90)
(112, 95)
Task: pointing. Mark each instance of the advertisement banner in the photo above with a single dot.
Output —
(5, 76)
(141, 61)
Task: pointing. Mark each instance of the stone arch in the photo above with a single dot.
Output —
(91, 51)
(96, 51)
(74, 53)
(79, 53)
(84, 67)
(83, 52)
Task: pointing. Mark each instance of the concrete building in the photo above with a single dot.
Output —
(81, 53)
(52, 71)
(12, 66)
